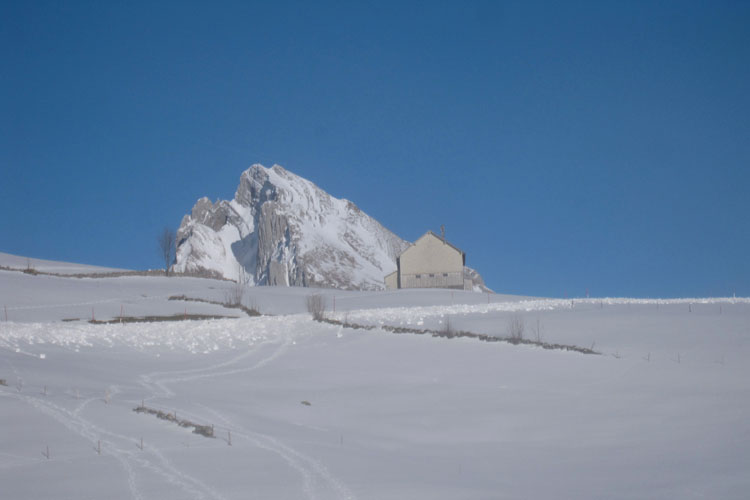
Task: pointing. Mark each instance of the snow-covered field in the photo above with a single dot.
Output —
(663, 412)
(50, 266)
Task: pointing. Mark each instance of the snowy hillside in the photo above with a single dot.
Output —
(10, 261)
(281, 229)
(307, 410)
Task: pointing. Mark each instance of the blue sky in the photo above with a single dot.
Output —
(566, 146)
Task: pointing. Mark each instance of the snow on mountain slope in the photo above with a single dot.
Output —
(281, 229)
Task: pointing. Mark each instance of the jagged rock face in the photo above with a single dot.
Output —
(476, 279)
(281, 229)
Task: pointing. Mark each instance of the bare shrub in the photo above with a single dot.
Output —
(538, 331)
(29, 269)
(235, 295)
(316, 305)
(167, 241)
(203, 430)
(516, 327)
(448, 330)
(252, 308)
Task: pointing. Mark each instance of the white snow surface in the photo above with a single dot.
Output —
(49, 266)
(661, 413)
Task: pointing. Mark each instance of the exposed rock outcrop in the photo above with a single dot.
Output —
(281, 229)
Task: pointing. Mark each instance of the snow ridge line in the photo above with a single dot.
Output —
(88, 303)
(451, 334)
(410, 313)
(197, 337)
(415, 315)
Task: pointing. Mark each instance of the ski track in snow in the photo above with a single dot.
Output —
(156, 381)
(83, 405)
(118, 446)
(85, 429)
(254, 336)
(315, 475)
(313, 471)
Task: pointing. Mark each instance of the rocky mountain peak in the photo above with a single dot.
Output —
(281, 229)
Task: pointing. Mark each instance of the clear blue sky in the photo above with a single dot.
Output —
(565, 146)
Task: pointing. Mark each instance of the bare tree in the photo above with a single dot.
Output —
(167, 240)
(235, 296)
(538, 331)
(316, 305)
(516, 328)
(448, 330)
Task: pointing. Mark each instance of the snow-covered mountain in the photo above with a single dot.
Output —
(281, 229)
